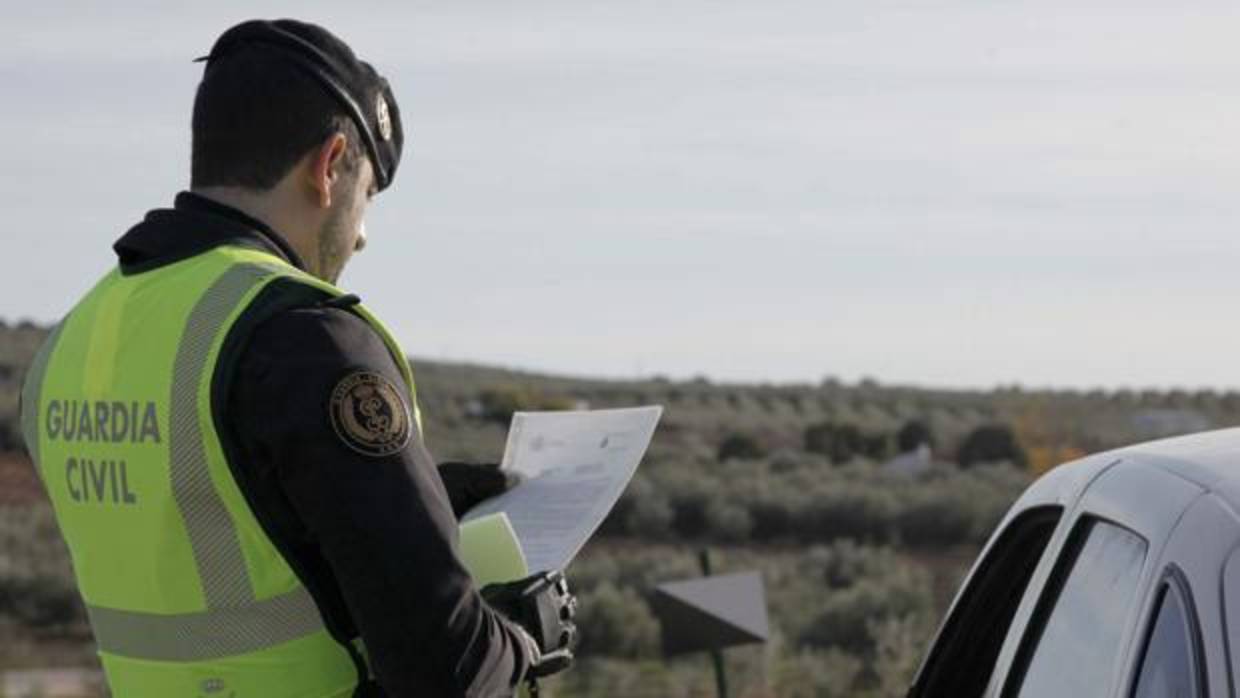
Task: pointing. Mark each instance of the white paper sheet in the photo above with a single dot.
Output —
(574, 466)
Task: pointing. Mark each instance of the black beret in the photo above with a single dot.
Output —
(364, 94)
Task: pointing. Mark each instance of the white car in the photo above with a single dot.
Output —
(1117, 575)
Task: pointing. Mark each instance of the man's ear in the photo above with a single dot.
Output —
(325, 167)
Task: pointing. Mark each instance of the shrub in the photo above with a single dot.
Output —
(740, 446)
(727, 521)
(839, 442)
(616, 622)
(992, 443)
(938, 515)
(650, 513)
(810, 503)
(817, 674)
(843, 563)
(498, 404)
(850, 510)
(37, 587)
(594, 677)
(40, 602)
(637, 568)
(844, 619)
(899, 643)
(770, 519)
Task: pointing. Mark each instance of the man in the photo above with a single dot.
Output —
(232, 444)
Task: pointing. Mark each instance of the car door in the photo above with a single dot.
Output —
(960, 661)
(1076, 634)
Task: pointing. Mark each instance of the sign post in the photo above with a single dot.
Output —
(710, 613)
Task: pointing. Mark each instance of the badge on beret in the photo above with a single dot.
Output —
(384, 118)
(369, 414)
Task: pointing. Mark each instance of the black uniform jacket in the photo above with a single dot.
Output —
(373, 538)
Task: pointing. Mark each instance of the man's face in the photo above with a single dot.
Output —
(343, 231)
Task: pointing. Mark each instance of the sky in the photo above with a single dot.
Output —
(947, 193)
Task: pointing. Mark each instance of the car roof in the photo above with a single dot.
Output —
(1210, 460)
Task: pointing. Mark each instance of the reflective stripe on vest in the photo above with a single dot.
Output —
(223, 632)
(181, 583)
(221, 566)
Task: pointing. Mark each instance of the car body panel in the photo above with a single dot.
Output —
(1198, 549)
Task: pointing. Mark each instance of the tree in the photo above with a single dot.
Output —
(992, 443)
(9, 439)
(741, 446)
(498, 404)
(839, 442)
(912, 435)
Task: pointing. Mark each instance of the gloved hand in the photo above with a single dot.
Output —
(469, 484)
(543, 607)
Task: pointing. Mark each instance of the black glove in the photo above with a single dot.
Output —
(469, 484)
(542, 606)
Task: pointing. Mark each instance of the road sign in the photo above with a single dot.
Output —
(711, 613)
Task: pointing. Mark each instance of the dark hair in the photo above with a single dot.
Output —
(256, 114)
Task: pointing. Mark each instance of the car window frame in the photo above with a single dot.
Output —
(1172, 580)
(1048, 599)
(973, 600)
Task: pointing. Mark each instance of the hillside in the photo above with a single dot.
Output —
(859, 559)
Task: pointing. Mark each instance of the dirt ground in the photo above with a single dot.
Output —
(56, 662)
(19, 483)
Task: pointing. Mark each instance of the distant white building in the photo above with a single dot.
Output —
(911, 463)
(1157, 423)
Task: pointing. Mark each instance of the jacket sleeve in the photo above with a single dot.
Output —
(380, 520)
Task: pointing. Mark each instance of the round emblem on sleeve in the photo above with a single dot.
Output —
(369, 414)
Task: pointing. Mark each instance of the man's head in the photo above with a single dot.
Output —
(292, 128)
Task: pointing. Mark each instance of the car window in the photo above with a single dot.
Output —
(1169, 666)
(963, 656)
(1072, 651)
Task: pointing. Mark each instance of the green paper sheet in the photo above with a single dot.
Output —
(490, 550)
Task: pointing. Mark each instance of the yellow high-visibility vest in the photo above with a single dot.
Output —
(187, 595)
